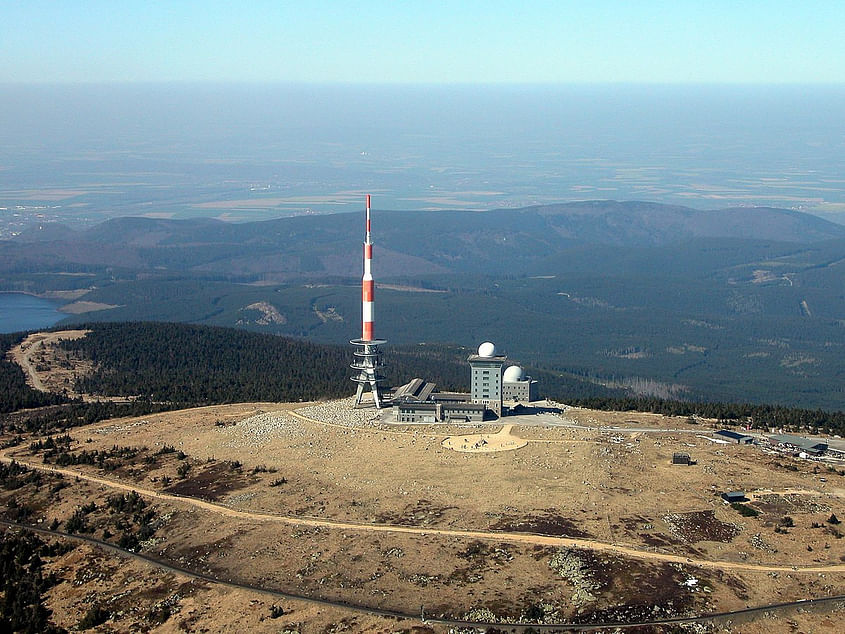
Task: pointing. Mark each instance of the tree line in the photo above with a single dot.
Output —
(170, 365)
(57, 419)
(200, 365)
(755, 415)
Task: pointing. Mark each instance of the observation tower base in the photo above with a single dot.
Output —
(368, 363)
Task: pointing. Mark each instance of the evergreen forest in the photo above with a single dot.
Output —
(165, 366)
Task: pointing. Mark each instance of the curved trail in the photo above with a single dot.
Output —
(23, 357)
(26, 349)
(516, 538)
(398, 614)
(23, 354)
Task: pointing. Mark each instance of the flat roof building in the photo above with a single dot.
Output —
(812, 446)
(742, 439)
(417, 402)
(430, 412)
(450, 397)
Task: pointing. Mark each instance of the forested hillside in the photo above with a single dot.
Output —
(169, 365)
(410, 242)
(199, 365)
(202, 365)
(727, 305)
(774, 341)
(15, 394)
(195, 364)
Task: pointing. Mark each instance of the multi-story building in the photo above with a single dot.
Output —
(486, 377)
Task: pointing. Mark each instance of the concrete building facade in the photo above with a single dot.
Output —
(414, 412)
(517, 387)
(486, 377)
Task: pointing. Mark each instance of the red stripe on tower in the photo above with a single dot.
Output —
(367, 285)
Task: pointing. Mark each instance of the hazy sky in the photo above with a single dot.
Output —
(765, 41)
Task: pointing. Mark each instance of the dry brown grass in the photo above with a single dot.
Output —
(601, 487)
(641, 523)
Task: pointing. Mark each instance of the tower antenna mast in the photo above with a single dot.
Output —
(368, 361)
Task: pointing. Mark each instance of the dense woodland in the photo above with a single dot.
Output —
(726, 305)
(192, 364)
(720, 336)
(201, 365)
(15, 394)
(167, 366)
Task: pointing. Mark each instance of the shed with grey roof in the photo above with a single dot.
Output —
(742, 439)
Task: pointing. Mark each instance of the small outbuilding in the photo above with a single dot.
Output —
(680, 457)
(734, 496)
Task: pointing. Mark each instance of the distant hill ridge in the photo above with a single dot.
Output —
(611, 222)
(602, 221)
(731, 304)
(408, 242)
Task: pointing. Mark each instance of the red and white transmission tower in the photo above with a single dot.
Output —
(367, 353)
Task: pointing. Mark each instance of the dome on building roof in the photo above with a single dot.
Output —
(514, 373)
(486, 349)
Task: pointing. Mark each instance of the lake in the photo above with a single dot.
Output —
(25, 312)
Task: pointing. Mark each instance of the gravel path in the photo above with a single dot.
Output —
(516, 538)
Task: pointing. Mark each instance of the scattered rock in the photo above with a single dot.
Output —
(569, 565)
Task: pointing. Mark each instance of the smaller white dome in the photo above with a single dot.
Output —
(513, 373)
(486, 349)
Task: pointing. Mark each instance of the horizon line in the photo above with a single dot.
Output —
(503, 83)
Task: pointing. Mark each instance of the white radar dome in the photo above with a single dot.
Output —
(486, 349)
(513, 373)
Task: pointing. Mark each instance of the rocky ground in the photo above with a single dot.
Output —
(605, 488)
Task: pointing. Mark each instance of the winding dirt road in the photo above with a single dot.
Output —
(516, 538)
(23, 353)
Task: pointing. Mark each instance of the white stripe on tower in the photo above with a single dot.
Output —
(367, 286)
